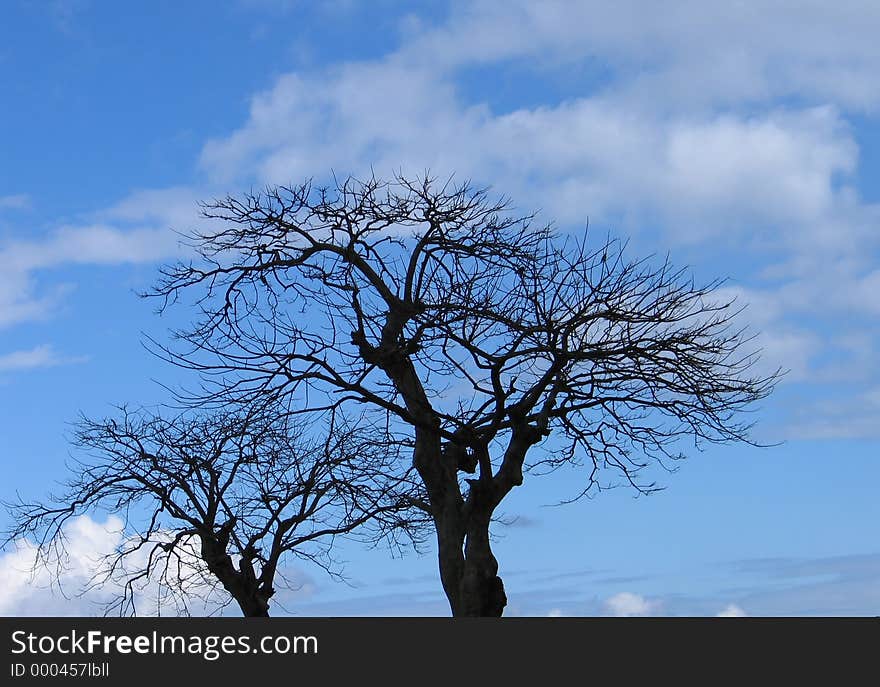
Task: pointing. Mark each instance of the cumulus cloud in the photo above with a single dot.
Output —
(591, 155)
(774, 183)
(308, 123)
(627, 604)
(731, 611)
(708, 125)
(29, 589)
(77, 581)
(682, 53)
(79, 578)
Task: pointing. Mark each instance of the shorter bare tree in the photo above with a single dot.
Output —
(221, 499)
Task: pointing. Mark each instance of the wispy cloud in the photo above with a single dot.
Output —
(37, 357)
(851, 416)
(826, 585)
(18, 201)
(141, 228)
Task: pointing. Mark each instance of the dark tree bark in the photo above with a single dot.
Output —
(482, 339)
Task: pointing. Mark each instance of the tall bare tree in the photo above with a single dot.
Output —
(222, 500)
(477, 333)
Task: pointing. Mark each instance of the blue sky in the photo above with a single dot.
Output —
(741, 138)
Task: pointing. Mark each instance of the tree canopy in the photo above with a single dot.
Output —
(486, 343)
(225, 500)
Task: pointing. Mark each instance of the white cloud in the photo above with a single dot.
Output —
(775, 168)
(760, 177)
(29, 590)
(849, 416)
(20, 298)
(78, 580)
(708, 123)
(18, 301)
(627, 604)
(681, 53)
(90, 244)
(688, 136)
(74, 583)
(176, 207)
(141, 228)
(344, 119)
(700, 173)
(39, 356)
(731, 611)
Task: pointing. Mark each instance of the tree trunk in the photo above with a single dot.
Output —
(481, 590)
(468, 569)
(241, 584)
(253, 607)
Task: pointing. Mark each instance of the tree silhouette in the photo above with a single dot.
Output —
(480, 337)
(221, 500)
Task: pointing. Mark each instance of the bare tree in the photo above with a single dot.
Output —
(477, 333)
(223, 499)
